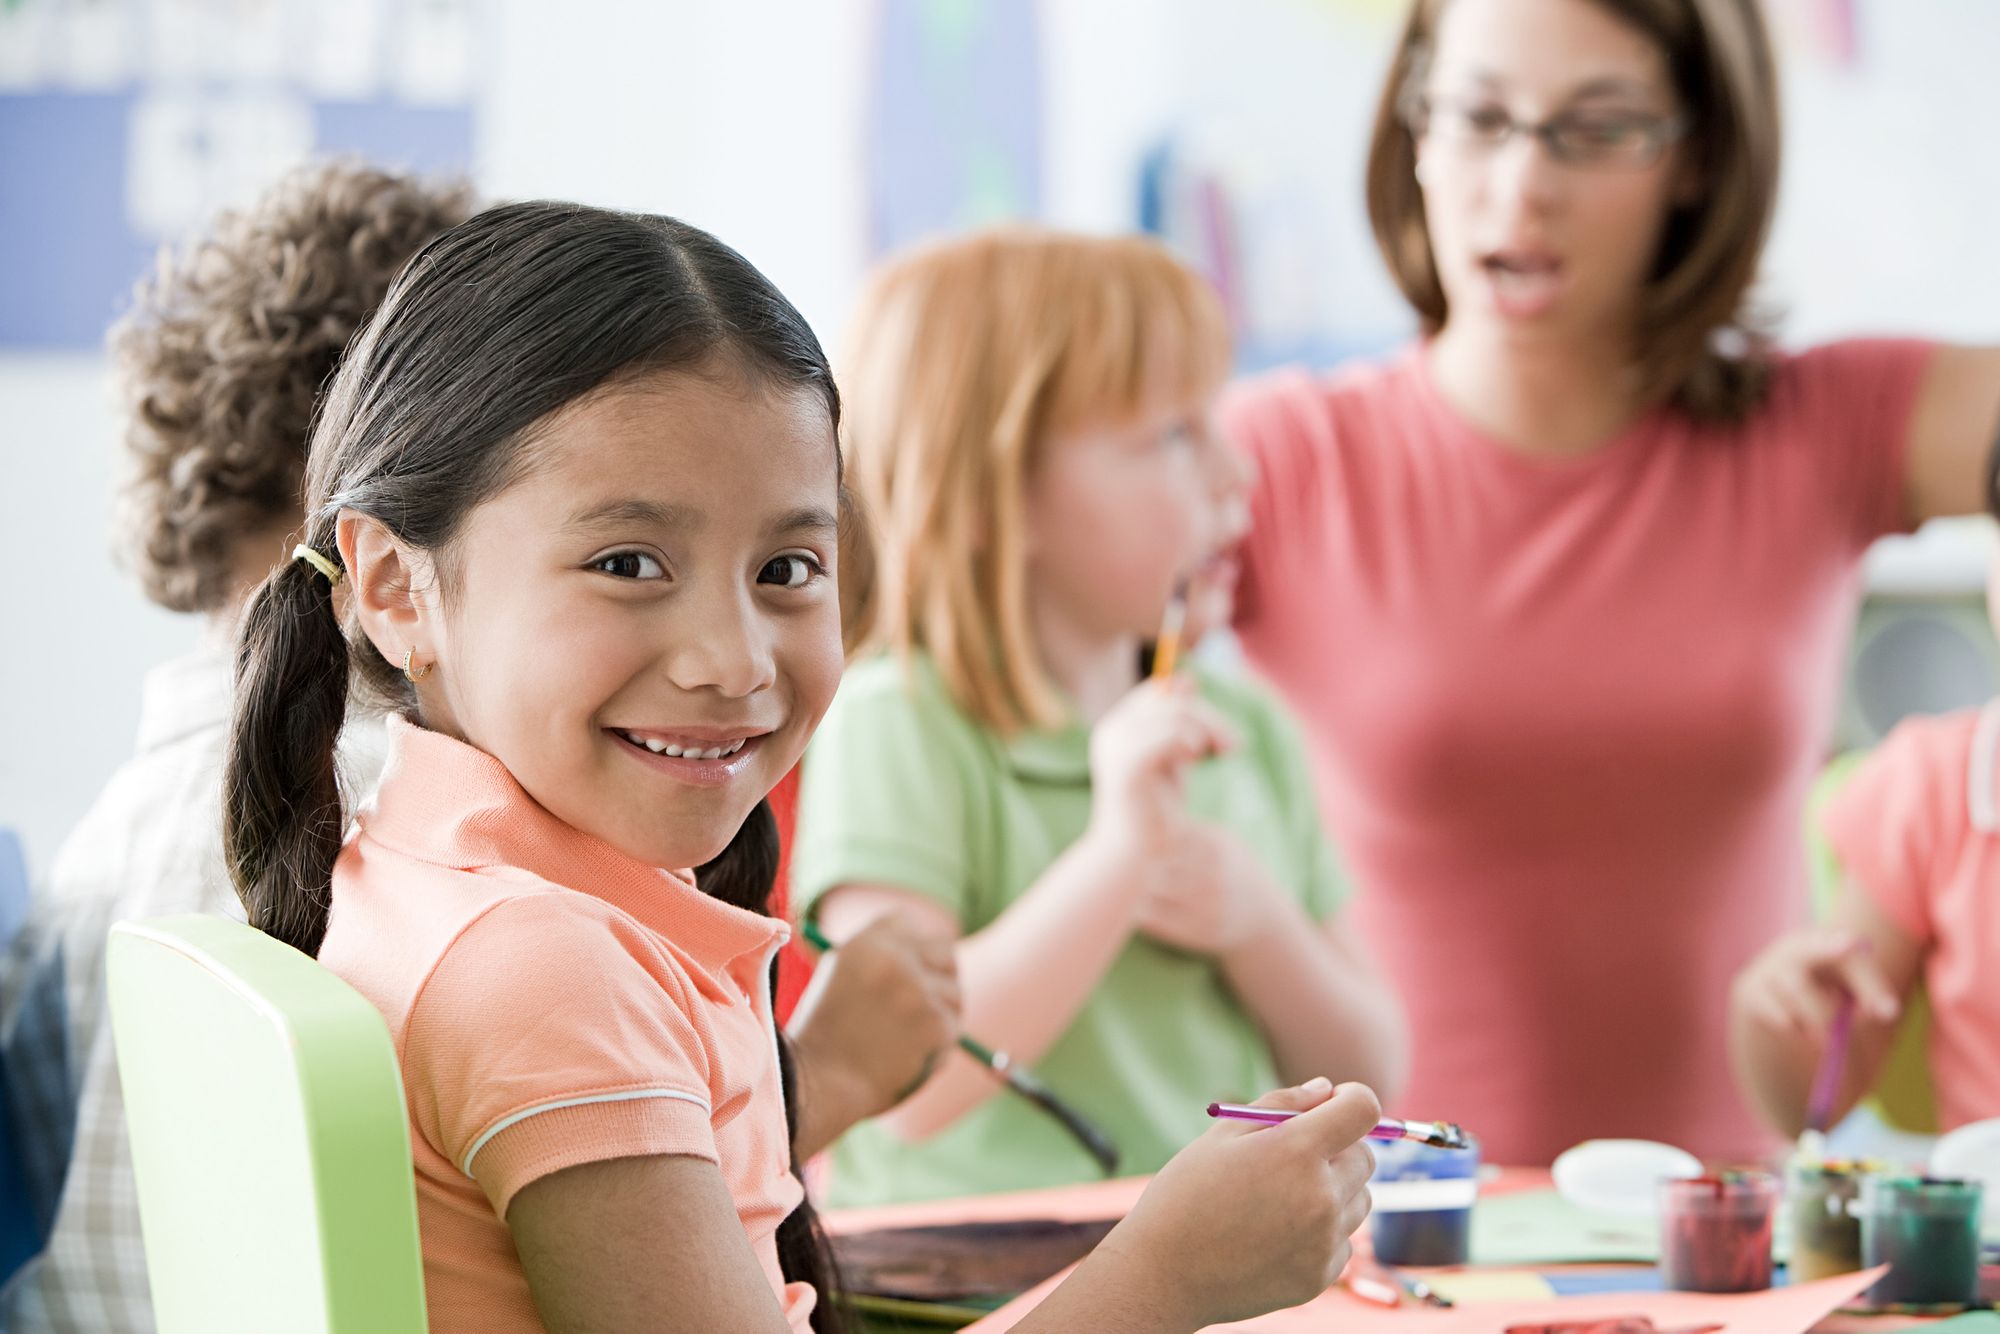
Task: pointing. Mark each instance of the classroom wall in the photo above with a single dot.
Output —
(75, 635)
(752, 119)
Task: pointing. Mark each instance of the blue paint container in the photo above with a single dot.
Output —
(1423, 1199)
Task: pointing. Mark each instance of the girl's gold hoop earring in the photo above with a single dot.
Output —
(421, 672)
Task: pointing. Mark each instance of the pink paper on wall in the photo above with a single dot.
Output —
(1828, 31)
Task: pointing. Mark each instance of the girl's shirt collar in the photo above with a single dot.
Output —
(451, 804)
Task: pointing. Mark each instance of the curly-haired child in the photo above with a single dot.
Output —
(219, 364)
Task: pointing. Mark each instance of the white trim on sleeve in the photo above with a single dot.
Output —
(557, 1104)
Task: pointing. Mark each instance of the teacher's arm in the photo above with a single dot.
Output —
(1954, 429)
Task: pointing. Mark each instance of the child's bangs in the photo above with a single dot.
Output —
(1145, 334)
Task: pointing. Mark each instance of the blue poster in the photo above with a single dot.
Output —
(955, 130)
(125, 125)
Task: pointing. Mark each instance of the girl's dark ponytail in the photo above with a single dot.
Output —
(743, 875)
(804, 1254)
(282, 817)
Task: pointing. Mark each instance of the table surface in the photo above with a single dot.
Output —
(1114, 1199)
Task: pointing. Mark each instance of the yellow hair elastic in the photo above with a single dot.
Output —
(326, 567)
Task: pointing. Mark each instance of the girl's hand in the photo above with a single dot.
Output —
(1782, 1006)
(1792, 989)
(1139, 753)
(1207, 893)
(1250, 1219)
(880, 1012)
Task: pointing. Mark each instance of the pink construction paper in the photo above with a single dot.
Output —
(1063, 1204)
(1787, 1310)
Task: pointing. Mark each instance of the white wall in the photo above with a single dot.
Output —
(1890, 214)
(744, 119)
(747, 118)
(75, 635)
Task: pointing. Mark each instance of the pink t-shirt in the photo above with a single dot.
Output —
(1563, 715)
(552, 1003)
(1917, 828)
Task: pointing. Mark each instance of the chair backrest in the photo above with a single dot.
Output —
(20, 1230)
(269, 1141)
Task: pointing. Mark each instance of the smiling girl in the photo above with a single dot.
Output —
(578, 484)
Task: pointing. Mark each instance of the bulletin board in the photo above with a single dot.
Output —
(127, 123)
(955, 124)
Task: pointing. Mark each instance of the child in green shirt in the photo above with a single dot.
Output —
(1144, 903)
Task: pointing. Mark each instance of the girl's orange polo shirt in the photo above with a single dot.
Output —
(1918, 829)
(552, 1002)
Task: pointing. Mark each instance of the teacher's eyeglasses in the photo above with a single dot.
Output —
(1599, 140)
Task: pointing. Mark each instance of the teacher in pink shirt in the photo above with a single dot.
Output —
(1561, 591)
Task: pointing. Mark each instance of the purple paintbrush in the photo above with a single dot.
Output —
(1439, 1134)
(1826, 1084)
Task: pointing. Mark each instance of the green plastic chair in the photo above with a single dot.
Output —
(269, 1140)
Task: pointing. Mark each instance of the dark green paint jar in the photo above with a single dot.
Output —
(1926, 1229)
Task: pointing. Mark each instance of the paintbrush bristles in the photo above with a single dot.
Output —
(1445, 1135)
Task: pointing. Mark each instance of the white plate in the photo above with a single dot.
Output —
(1620, 1176)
